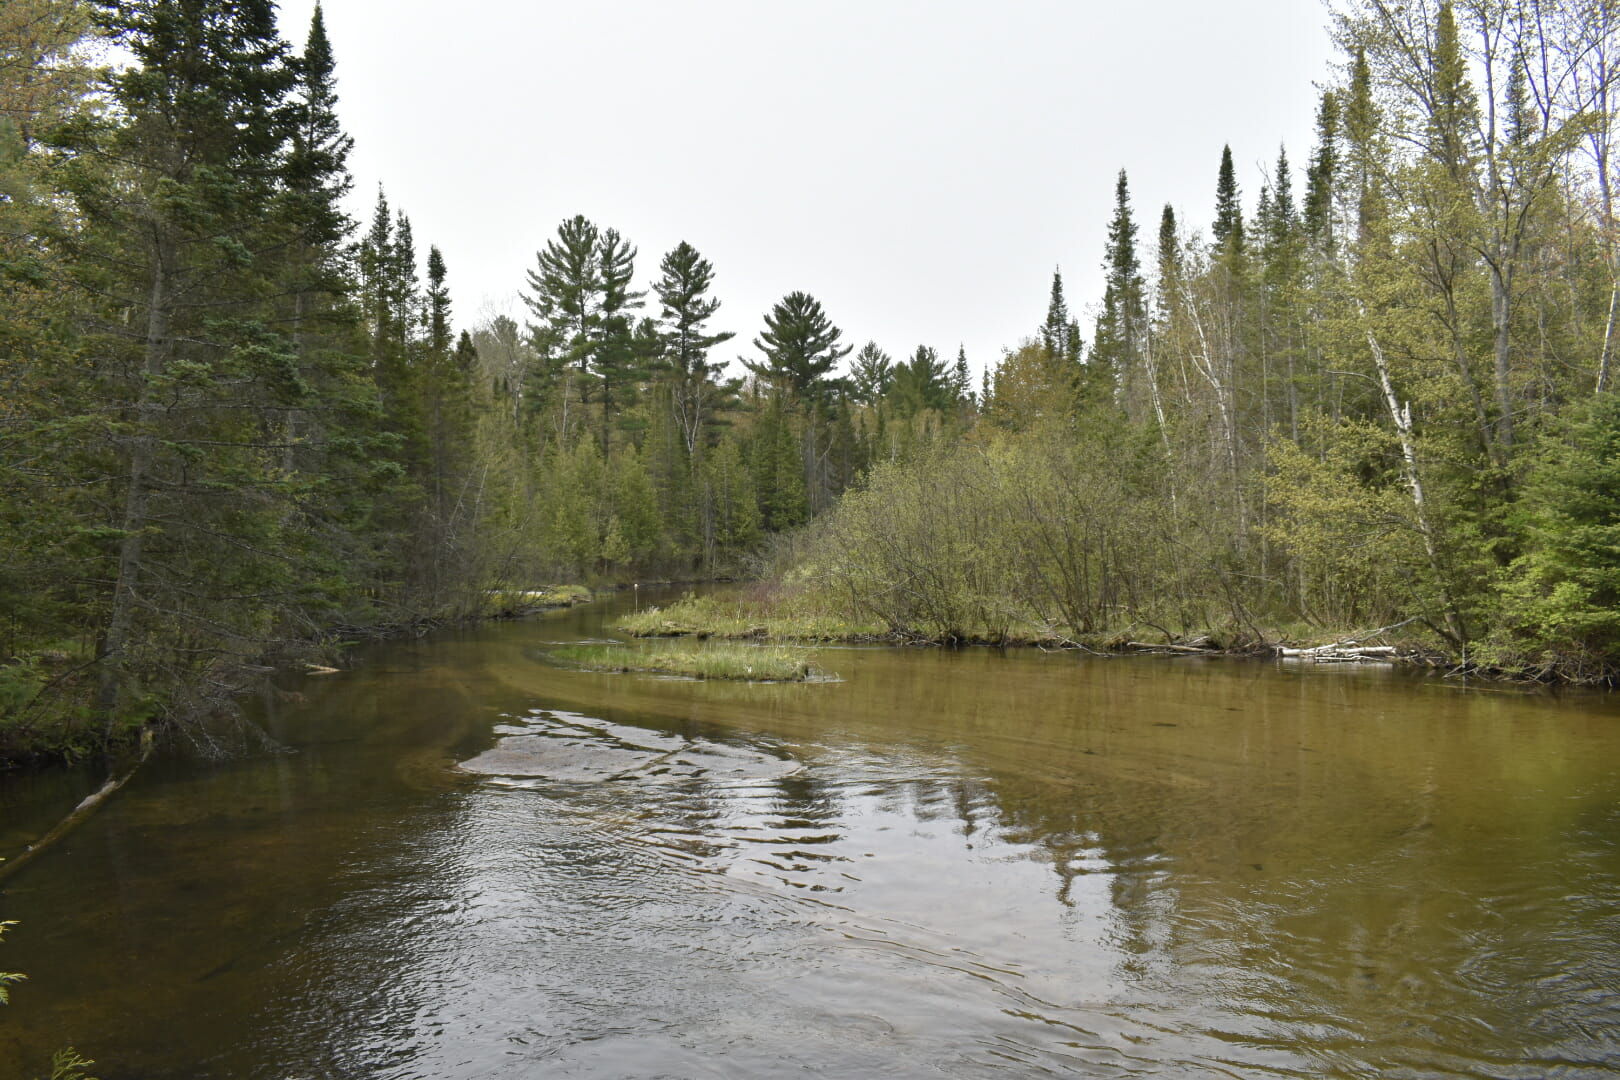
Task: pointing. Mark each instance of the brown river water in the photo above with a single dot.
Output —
(467, 862)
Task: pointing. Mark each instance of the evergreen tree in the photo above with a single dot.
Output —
(1454, 108)
(961, 377)
(1116, 346)
(1228, 228)
(1059, 333)
(1364, 142)
(318, 269)
(870, 374)
(1320, 175)
(564, 295)
(800, 346)
(316, 167)
(923, 382)
(1169, 264)
(188, 239)
(686, 308)
(614, 359)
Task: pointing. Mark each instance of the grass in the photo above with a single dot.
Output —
(739, 617)
(740, 663)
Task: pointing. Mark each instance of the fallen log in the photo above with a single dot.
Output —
(79, 814)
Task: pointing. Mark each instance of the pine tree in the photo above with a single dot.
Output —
(565, 298)
(800, 346)
(870, 374)
(686, 308)
(614, 354)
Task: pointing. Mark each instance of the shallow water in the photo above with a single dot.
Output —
(472, 863)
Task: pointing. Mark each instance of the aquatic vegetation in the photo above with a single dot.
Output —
(742, 663)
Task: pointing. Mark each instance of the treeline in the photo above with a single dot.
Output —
(1381, 393)
(235, 423)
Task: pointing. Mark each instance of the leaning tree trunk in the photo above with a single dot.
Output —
(1401, 413)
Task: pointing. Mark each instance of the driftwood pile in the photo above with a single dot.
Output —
(1348, 651)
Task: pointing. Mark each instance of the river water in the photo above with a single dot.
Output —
(468, 862)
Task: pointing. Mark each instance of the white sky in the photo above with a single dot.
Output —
(918, 167)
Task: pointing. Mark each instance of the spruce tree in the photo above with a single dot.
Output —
(1453, 106)
(1363, 139)
(961, 377)
(316, 166)
(1169, 264)
(190, 244)
(1320, 176)
(1228, 228)
(1282, 219)
(923, 382)
(1119, 326)
(318, 274)
(1056, 332)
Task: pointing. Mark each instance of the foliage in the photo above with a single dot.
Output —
(232, 427)
(1564, 591)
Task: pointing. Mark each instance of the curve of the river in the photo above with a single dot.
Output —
(465, 861)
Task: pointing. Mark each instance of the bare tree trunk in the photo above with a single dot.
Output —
(1608, 338)
(1401, 414)
(1501, 325)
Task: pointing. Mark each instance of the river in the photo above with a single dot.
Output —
(463, 861)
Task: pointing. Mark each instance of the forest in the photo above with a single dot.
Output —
(241, 425)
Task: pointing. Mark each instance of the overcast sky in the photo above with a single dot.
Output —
(919, 167)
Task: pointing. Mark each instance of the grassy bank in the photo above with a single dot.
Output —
(795, 615)
(740, 663)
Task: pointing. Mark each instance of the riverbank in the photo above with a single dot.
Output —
(45, 693)
(767, 614)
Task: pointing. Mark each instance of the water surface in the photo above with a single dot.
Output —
(471, 863)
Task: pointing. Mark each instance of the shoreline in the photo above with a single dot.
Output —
(696, 619)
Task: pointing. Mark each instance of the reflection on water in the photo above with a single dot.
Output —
(951, 863)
